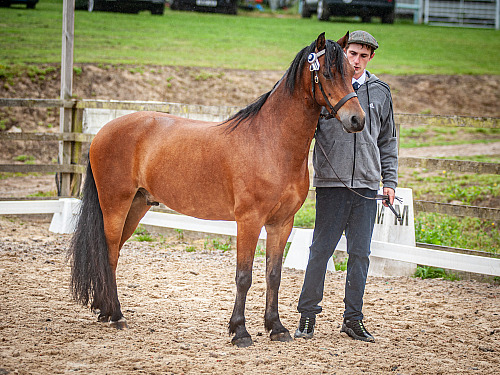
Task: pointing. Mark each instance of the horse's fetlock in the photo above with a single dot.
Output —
(235, 323)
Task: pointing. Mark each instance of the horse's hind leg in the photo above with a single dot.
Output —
(118, 230)
(138, 209)
(109, 308)
(277, 236)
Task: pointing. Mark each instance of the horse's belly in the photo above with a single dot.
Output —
(193, 193)
(203, 206)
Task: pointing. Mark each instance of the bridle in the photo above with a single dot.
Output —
(312, 59)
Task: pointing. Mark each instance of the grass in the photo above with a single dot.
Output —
(467, 232)
(305, 217)
(424, 136)
(142, 235)
(470, 189)
(51, 193)
(247, 41)
(5, 175)
(217, 244)
(27, 159)
(426, 272)
(340, 265)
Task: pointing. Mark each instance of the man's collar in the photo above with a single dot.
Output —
(361, 79)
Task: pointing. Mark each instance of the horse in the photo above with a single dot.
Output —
(251, 168)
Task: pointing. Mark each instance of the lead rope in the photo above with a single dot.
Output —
(382, 197)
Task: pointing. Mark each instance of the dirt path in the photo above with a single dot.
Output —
(452, 150)
(178, 304)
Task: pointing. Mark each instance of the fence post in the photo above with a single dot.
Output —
(76, 150)
(65, 121)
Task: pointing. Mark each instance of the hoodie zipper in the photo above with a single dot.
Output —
(353, 162)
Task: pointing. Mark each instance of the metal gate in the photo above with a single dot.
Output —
(463, 13)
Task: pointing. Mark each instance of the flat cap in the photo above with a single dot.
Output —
(362, 37)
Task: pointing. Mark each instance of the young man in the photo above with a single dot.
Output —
(359, 161)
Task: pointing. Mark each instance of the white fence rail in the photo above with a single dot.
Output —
(66, 210)
(299, 252)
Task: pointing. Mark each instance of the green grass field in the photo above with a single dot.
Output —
(245, 41)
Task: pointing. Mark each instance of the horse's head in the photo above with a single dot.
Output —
(331, 83)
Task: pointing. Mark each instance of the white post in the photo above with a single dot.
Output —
(497, 16)
(420, 11)
(426, 12)
(65, 118)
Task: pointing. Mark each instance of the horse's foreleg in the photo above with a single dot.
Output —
(246, 243)
(277, 236)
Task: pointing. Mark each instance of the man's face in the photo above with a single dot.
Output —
(358, 56)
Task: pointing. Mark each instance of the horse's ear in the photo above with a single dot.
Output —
(320, 42)
(343, 41)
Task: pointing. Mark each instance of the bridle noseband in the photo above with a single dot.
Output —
(312, 59)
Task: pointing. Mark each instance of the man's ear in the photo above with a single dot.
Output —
(343, 41)
(320, 42)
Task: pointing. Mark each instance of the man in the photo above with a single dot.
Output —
(348, 168)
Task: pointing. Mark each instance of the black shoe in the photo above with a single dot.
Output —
(306, 328)
(356, 330)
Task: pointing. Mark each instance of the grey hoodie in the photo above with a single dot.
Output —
(361, 160)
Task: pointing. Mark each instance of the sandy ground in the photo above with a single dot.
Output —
(178, 305)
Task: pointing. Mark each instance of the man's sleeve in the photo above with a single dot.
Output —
(388, 145)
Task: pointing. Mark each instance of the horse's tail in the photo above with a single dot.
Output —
(91, 277)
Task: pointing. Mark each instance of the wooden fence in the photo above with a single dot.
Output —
(71, 142)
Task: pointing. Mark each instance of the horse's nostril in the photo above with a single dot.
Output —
(357, 122)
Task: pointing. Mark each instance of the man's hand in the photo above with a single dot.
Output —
(391, 193)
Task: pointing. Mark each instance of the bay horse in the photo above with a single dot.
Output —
(251, 168)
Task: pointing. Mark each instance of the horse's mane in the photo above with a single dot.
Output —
(333, 58)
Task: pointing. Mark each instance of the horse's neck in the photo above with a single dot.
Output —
(294, 119)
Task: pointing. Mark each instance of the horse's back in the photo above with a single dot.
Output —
(149, 123)
(146, 132)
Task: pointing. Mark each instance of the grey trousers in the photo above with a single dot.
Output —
(339, 209)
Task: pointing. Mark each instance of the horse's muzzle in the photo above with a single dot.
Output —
(353, 124)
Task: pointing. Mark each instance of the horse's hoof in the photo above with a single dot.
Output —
(281, 336)
(103, 318)
(243, 342)
(119, 324)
